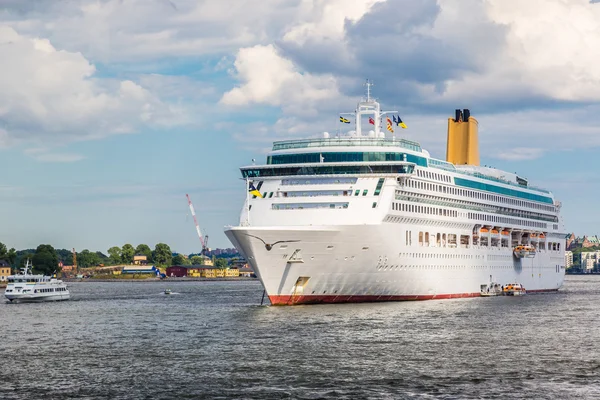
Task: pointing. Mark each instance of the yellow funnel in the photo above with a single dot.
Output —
(463, 139)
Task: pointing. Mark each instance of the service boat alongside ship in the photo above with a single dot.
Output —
(363, 217)
(27, 287)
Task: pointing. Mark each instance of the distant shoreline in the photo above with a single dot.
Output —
(148, 280)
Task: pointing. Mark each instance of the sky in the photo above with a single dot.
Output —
(112, 110)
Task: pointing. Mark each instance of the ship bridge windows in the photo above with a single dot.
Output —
(337, 157)
(319, 181)
(323, 169)
(308, 206)
(317, 193)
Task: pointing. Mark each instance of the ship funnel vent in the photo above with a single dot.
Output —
(463, 139)
(458, 116)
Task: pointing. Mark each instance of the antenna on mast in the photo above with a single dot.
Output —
(203, 241)
(368, 84)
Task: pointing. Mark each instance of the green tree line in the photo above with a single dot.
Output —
(46, 259)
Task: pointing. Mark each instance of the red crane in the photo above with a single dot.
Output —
(203, 240)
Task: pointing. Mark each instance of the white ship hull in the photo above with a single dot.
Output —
(336, 264)
(35, 297)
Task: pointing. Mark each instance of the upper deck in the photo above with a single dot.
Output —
(346, 142)
(366, 150)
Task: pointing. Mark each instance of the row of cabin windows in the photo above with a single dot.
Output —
(443, 212)
(474, 205)
(428, 239)
(486, 187)
(414, 208)
(475, 195)
(21, 280)
(434, 175)
(50, 290)
(557, 268)
(507, 220)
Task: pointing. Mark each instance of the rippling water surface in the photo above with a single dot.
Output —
(214, 340)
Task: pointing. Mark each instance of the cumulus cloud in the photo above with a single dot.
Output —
(134, 30)
(53, 96)
(506, 60)
(271, 79)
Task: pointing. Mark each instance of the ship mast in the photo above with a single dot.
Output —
(370, 108)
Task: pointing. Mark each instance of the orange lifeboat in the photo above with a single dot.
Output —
(483, 230)
(495, 231)
(505, 232)
(542, 236)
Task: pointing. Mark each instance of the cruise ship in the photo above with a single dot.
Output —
(361, 216)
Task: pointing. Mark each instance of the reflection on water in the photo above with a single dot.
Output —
(213, 340)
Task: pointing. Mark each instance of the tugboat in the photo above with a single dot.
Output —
(27, 287)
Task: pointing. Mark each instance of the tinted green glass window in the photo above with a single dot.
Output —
(345, 157)
(379, 186)
(501, 190)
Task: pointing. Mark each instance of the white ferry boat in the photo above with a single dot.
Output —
(364, 217)
(26, 287)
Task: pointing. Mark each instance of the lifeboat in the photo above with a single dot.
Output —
(542, 236)
(495, 231)
(533, 235)
(483, 230)
(514, 289)
(505, 232)
(523, 251)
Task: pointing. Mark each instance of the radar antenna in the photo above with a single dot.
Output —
(368, 84)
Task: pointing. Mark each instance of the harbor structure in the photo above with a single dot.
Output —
(568, 259)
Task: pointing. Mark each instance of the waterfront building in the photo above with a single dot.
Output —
(207, 261)
(4, 271)
(569, 240)
(140, 269)
(583, 242)
(177, 271)
(589, 260)
(201, 271)
(246, 272)
(568, 259)
(140, 259)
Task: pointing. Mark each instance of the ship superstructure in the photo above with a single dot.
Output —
(365, 217)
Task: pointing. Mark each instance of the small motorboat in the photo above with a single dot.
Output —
(491, 289)
(168, 291)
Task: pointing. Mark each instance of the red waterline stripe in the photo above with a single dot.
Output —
(288, 300)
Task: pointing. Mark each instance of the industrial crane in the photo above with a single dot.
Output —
(203, 240)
